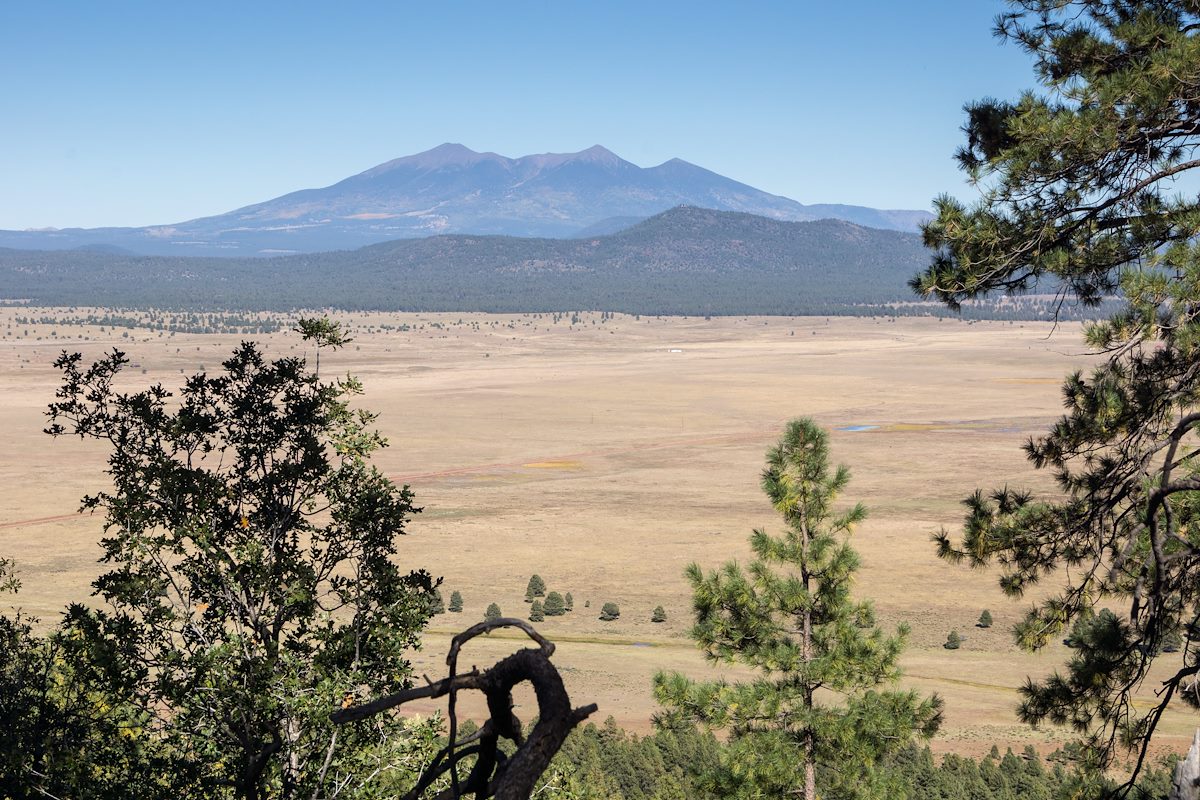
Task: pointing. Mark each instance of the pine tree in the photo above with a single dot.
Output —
(953, 641)
(536, 612)
(492, 612)
(659, 615)
(555, 606)
(570, 601)
(436, 604)
(535, 588)
(789, 614)
(609, 612)
(456, 602)
(985, 619)
(1086, 182)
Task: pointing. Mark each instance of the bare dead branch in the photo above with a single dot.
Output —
(493, 775)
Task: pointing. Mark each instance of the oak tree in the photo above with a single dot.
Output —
(251, 578)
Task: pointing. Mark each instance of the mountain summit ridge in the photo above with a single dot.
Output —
(454, 189)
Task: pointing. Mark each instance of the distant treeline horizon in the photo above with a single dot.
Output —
(684, 262)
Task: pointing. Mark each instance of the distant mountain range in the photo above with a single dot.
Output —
(684, 261)
(452, 189)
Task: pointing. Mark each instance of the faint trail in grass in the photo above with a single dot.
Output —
(961, 682)
(764, 434)
(743, 436)
(21, 523)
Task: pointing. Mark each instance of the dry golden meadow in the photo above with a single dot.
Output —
(607, 454)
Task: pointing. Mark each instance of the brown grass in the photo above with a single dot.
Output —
(599, 458)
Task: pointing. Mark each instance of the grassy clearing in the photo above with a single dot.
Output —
(592, 454)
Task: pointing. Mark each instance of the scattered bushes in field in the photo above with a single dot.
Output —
(536, 588)
(555, 606)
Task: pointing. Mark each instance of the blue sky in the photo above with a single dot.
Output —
(131, 113)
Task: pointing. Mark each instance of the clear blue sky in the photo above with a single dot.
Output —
(138, 113)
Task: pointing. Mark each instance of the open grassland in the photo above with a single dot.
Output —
(606, 453)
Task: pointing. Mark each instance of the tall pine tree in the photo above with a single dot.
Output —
(789, 615)
(1081, 188)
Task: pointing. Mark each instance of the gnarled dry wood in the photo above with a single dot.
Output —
(1185, 784)
(493, 775)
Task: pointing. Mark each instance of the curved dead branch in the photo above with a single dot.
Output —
(494, 775)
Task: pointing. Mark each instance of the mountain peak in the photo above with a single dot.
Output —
(676, 165)
(454, 189)
(449, 154)
(596, 154)
(448, 151)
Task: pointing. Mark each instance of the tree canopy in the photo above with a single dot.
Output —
(555, 605)
(535, 588)
(252, 583)
(1087, 186)
(789, 614)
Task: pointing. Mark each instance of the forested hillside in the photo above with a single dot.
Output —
(685, 261)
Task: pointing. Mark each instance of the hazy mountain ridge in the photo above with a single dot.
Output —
(687, 261)
(452, 189)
